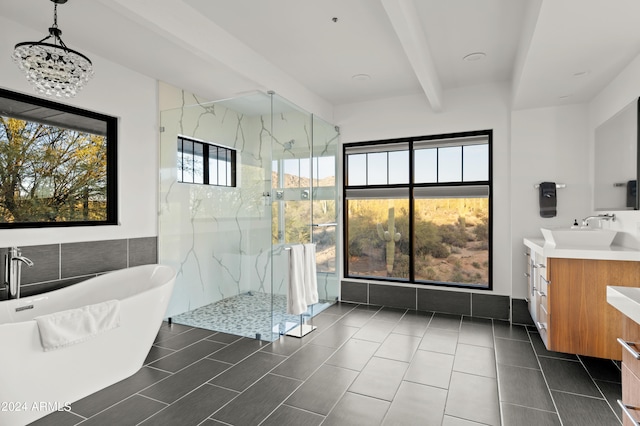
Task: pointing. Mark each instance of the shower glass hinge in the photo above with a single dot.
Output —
(161, 129)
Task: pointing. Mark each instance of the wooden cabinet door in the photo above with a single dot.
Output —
(581, 320)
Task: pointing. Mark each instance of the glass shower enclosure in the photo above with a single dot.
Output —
(229, 242)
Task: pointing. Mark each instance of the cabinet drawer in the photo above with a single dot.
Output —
(631, 335)
(543, 324)
(542, 292)
(630, 397)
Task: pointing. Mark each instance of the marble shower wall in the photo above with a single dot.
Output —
(220, 238)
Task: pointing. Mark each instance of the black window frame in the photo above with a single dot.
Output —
(410, 186)
(111, 127)
(206, 156)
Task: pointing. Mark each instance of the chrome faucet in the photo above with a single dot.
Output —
(13, 261)
(611, 217)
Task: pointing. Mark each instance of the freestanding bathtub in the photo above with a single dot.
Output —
(34, 383)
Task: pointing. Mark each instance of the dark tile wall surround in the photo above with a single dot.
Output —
(60, 265)
(424, 299)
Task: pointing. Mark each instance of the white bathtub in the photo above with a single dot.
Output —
(34, 383)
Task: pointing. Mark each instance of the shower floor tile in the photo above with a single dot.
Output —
(248, 315)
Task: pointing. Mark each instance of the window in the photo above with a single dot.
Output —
(418, 210)
(57, 164)
(205, 163)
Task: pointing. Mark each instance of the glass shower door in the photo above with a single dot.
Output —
(304, 204)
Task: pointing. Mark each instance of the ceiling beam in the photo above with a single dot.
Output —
(406, 23)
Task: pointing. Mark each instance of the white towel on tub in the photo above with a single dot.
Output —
(66, 328)
(296, 304)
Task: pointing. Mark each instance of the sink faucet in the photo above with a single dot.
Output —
(13, 270)
(611, 217)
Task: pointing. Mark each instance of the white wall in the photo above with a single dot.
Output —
(115, 91)
(467, 109)
(547, 144)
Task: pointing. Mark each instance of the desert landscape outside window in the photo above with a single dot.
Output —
(418, 210)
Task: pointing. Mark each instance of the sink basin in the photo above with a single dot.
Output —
(578, 237)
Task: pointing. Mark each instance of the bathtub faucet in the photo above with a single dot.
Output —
(13, 261)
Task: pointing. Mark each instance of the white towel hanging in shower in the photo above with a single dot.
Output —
(310, 277)
(296, 304)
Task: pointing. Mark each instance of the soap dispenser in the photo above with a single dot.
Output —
(575, 224)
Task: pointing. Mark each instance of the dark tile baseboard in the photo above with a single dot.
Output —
(424, 299)
(61, 265)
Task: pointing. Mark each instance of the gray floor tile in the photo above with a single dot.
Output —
(304, 362)
(375, 331)
(291, 416)
(516, 415)
(155, 353)
(354, 354)
(440, 340)
(389, 314)
(357, 318)
(477, 334)
(612, 393)
(248, 371)
(58, 418)
(525, 387)
(398, 347)
(166, 330)
(223, 337)
(340, 308)
(446, 321)
(578, 410)
(475, 360)
(416, 404)
(505, 330)
(473, 398)
(131, 411)
(186, 380)
(324, 320)
(413, 323)
(334, 336)
(322, 390)
(456, 421)
(380, 378)
(430, 368)
(187, 356)
(354, 409)
(181, 340)
(541, 350)
(602, 369)
(193, 408)
(568, 376)
(105, 398)
(515, 352)
(258, 402)
(238, 350)
(286, 345)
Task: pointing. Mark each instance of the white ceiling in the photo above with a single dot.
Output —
(222, 48)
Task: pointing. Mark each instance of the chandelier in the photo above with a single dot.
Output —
(52, 68)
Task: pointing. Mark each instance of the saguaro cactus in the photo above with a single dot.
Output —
(391, 237)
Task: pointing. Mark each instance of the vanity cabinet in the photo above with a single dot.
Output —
(630, 370)
(573, 315)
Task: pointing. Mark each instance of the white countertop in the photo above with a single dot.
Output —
(626, 300)
(612, 252)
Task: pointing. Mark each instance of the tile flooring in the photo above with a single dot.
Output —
(362, 366)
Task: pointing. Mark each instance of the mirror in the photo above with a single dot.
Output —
(616, 161)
